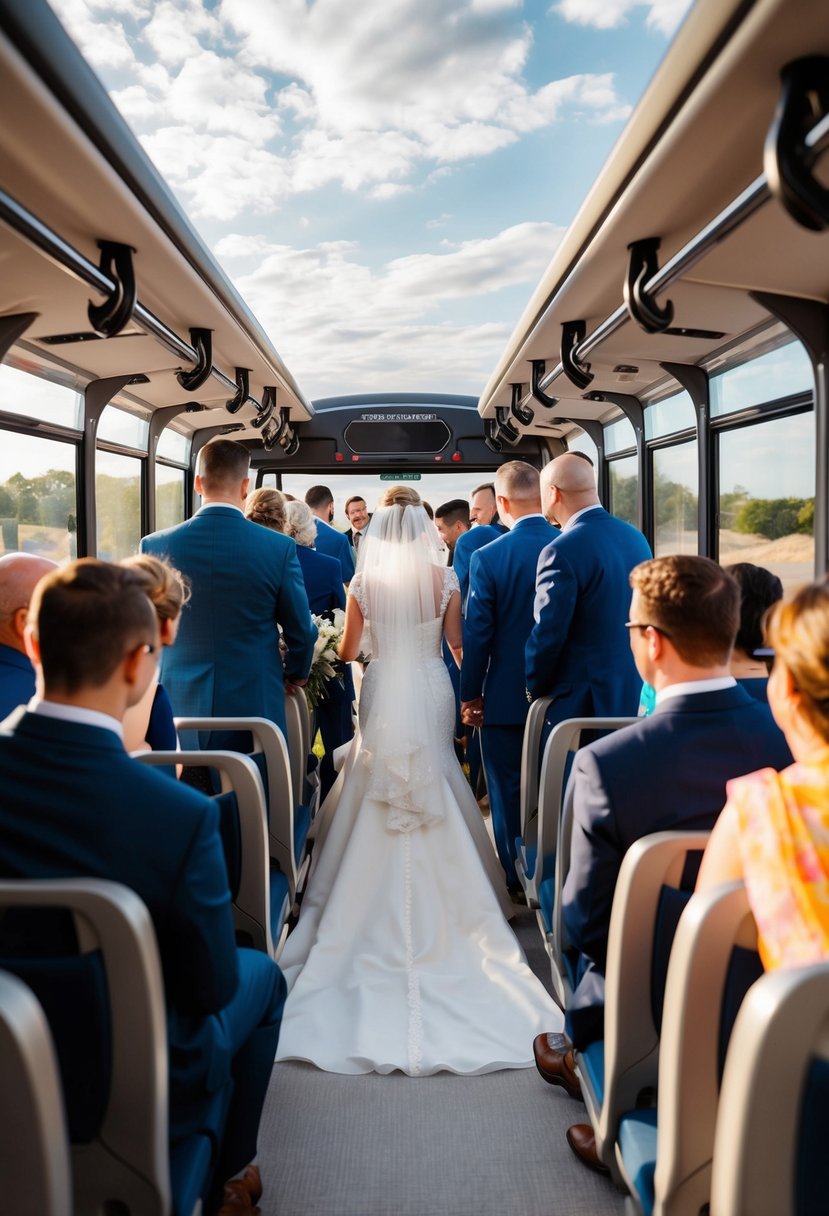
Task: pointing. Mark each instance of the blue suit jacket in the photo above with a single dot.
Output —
(246, 579)
(579, 651)
(17, 680)
(499, 617)
(73, 804)
(663, 773)
(324, 586)
(467, 544)
(334, 544)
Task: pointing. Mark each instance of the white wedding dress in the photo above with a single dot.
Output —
(402, 957)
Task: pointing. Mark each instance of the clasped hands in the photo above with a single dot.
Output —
(472, 712)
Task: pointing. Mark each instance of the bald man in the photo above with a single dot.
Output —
(578, 651)
(19, 575)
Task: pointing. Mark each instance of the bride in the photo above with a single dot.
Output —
(402, 957)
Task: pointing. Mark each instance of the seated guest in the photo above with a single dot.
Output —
(324, 587)
(65, 778)
(665, 772)
(759, 589)
(774, 831)
(149, 725)
(19, 575)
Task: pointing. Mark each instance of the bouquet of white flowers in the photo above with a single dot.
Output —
(326, 664)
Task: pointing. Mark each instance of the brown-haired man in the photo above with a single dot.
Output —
(356, 512)
(74, 804)
(665, 772)
(329, 540)
(246, 584)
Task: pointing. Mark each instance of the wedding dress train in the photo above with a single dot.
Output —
(403, 957)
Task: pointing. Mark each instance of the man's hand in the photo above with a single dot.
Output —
(472, 712)
(293, 686)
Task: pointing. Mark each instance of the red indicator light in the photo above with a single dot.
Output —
(438, 459)
(456, 456)
(338, 456)
(355, 458)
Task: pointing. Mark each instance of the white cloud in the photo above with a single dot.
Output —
(331, 314)
(663, 15)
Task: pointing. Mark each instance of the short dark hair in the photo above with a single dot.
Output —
(487, 485)
(694, 602)
(581, 455)
(318, 496)
(87, 617)
(353, 498)
(223, 462)
(455, 511)
(759, 589)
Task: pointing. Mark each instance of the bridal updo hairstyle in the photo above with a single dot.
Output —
(400, 496)
(168, 589)
(798, 632)
(266, 507)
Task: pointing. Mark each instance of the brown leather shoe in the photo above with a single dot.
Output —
(252, 1182)
(582, 1141)
(554, 1060)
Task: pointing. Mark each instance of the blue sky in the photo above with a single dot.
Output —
(384, 180)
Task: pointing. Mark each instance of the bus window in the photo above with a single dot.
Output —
(169, 496)
(675, 490)
(779, 373)
(118, 500)
(583, 443)
(38, 500)
(624, 483)
(121, 427)
(766, 507)
(33, 397)
(671, 414)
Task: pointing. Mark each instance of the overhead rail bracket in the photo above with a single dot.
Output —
(491, 435)
(266, 409)
(242, 391)
(506, 428)
(523, 413)
(539, 368)
(788, 160)
(202, 342)
(572, 333)
(641, 305)
(109, 318)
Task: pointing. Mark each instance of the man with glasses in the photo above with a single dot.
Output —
(663, 773)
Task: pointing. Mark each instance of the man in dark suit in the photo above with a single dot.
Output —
(356, 513)
(578, 650)
(246, 583)
(665, 772)
(73, 803)
(19, 574)
(329, 540)
(495, 630)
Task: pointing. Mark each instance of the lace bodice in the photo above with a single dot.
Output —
(377, 639)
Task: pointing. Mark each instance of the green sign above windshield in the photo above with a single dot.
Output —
(400, 477)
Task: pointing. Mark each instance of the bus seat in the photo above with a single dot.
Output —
(665, 1158)
(35, 1174)
(555, 827)
(770, 1144)
(288, 821)
(631, 1043)
(125, 1163)
(531, 761)
(261, 896)
(304, 764)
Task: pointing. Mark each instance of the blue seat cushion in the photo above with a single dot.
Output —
(280, 900)
(637, 1145)
(190, 1167)
(592, 1062)
(302, 823)
(231, 835)
(744, 967)
(812, 1166)
(546, 899)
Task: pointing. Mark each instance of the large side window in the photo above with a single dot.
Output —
(675, 501)
(38, 498)
(624, 481)
(118, 504)
(766, 496)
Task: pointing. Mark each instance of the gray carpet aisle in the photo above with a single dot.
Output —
(434, 1146)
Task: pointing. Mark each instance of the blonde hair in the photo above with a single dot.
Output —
(798, 632)
(266, 507)
(299, 523)
(168, 590)
(400, 496)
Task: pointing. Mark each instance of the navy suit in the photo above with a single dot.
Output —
(324, 585)
(499, 617)
(334, 544)
(17, 680)
(663, 773)
(578, 651)
(467, 544)
(74, 804)
(246, 580)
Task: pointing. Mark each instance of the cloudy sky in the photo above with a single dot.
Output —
(384, 180)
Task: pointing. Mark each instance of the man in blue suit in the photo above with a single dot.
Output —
(73, 804)
(467, 544)
(665, 772)
(495, 630)
(246, 583)
(19, 575)
(578, 650)
(329, 540)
